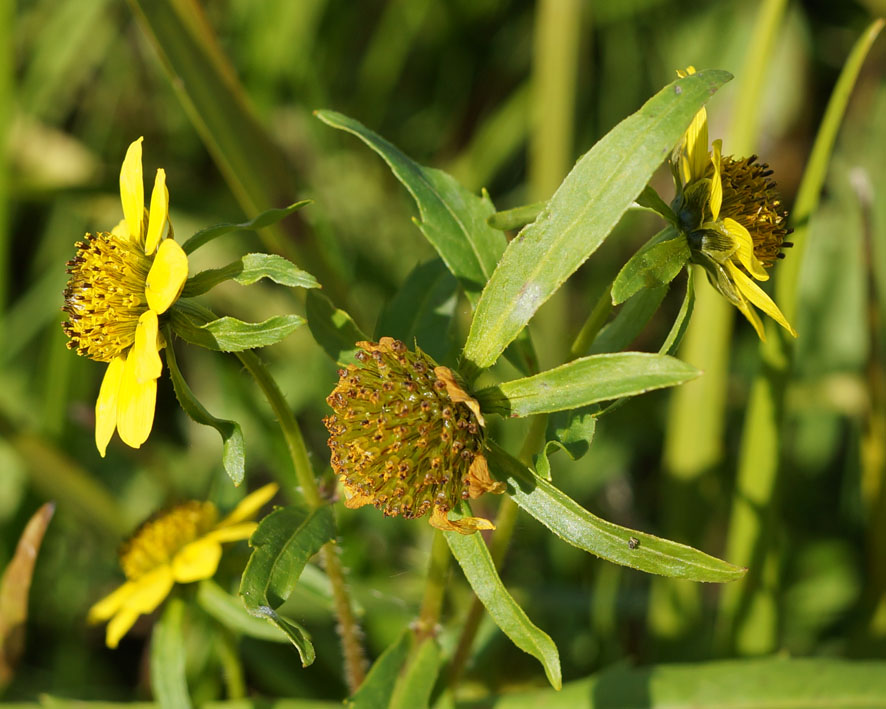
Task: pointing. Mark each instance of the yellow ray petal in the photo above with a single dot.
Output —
(716, 200)
(745, 251)
(233, 532)
(146, 348)
(250, 504)
(119, 626)
(121, 229)
(197, 560)
(110, 604)
(135, 407)
(465, 525)
(132, 190)
(167, 276)
(106, 404)
(159, 212)
(758, 297)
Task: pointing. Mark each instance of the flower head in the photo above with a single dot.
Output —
(407, 438)
(180, 545)
(121, 282)
(731, 214)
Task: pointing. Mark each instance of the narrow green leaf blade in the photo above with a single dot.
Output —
(416, 682)
(575, 525)
(282, 545)
(452, 218)
(585, 381)
(248, 270)
(473, 556)
(421, 311)
(582, 212)
(260, 221)
(229, 334)
(517, 217)
(681, 322)
(234, 445)
(168, 680)
(569, 431)
(333, 329)
(629, 322)
(378, 687)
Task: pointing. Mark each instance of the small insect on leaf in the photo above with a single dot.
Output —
(633, 543)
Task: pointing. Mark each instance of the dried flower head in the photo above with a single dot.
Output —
(407, 438)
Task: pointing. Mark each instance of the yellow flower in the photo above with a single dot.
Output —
(180, 545)
(730, 212)
(121, 281)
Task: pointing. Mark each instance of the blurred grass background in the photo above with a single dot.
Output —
(505, 95)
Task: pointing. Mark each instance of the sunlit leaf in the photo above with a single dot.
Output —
(656, 264)
(260, 221)
(582, 212)
(575, 525)
(249, 269)
(473, 557)
(227, 334)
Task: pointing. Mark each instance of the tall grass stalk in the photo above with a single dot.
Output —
(748, 611)
(694, 434)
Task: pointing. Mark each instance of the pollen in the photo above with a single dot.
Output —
(750, 197)
(105, 295)
(404, 436)
(157, 540)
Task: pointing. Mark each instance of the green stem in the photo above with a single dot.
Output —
(498, 548)
(435, 589)
(348, 627)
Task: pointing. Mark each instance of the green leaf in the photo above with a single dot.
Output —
(231, 613)
(191, 322)
(282, 545)
(582, 212)
(656, 264)
(569, 431)
(260, 221)
(575, 525)
(15, 585)
(681, 322)
(630, 320)
(517, 217)
(585, 381)
(416, 682)
(649, 199)
(768, 683)
(452, 218)
(333, 329)
(421, 311)
(234, 446)
(249, 269)
(378, 687)
(473, 556)
(168, 681)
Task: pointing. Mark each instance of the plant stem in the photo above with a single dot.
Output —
(348, 627)
(592, 325)
(498, 548)
(435, 589)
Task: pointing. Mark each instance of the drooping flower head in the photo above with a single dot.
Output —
(180, 545)
(407, 438)
(731, 214)
(121, 282)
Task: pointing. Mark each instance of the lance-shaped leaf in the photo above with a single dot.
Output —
(15, 585)
(282, 545)
(452, 218)
(333, 329)
(265, 219)
(582, 212)
(633, 316)
(197, 325)
(422, 310)
(575, 525)
(234, 446)
(473, 556)
(247, 270)
(168, 680)
(656, 264)
(585, 381)
(569, 431)
(377, 689)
